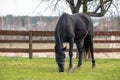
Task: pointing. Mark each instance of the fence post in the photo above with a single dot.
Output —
(30, 45)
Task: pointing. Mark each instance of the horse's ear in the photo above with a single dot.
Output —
(64, 48)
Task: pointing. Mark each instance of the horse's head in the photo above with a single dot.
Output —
(60, 58)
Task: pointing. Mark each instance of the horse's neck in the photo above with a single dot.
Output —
(58, 41)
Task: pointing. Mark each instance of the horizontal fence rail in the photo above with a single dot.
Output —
(51, 33)
(107, 33)
(30, 41)
(52, 41)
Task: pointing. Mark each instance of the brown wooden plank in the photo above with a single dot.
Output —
(24, 50)
(25, 33)
(106, 33)
(43, 33)
(52, 41)
(52, 50)
(51, 33)
(74, 50)
(13, 33)
(43, 41)
(106, 41)
(14, 50)
(107, 50)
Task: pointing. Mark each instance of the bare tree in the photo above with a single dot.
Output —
(99, 7)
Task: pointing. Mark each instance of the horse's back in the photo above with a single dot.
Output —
(76, 25)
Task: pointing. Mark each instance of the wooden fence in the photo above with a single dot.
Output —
(30, 41)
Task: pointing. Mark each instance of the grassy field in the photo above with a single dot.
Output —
(17, 68)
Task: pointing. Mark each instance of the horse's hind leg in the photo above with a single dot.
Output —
(92, 52)
(70, 54)
(80, 49)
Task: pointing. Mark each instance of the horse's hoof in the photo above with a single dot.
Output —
(69, 70)
(78, 66)
(61, 70)
(93, 66)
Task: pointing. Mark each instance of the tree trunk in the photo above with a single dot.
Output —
(74, 8)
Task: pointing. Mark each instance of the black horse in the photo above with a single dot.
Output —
(76, 28)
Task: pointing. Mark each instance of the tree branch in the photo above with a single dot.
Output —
(78, 5)
(56, 4)
(103, 9)
(72, 5)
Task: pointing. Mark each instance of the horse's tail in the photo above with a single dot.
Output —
(88, 41)
(86, 44)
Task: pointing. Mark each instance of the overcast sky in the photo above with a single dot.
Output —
(15, 7)
(28, 7)
(24, 7)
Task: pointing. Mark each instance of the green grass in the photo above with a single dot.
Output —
(46, 69)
